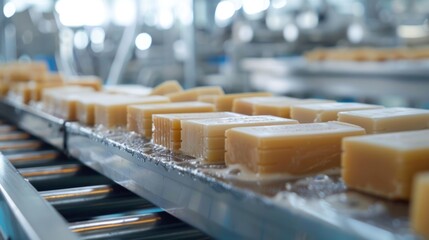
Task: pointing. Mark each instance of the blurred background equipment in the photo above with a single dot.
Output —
(241, 45)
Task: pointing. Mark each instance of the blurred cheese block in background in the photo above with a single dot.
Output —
(225, 102)
(294, 149)
(193, 93)
(139, 117)
(207, 98)
(323, 112)
(168, 126)
(245, 105)
(167, 87)
(113, 113)
(275, 106)
(420, 205)
(385, 164)
(85, 81)
(50, 96)
(205, 138)
(128, 89)
(387, 119)
(47, 80)
(22, 72)
(282, 109)
(85, 106)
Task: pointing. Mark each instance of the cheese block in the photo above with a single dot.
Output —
(42, 81)
(245, 105)
(205, 138)
(385, 164)
(113, 113)
(65, 104)
(22, 72)
(85, 106)
(26, 91)
(139, 117)
(323, 112)
(85, 81)
(207, 98)
(167, 127)
(420, 205)
(388, 119)
(128, 89)
(225, 102)
(50, 96)
(292, 149)
(167, 87)
(193, 93)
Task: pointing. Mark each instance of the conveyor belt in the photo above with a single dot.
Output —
(217, 202)
(90, 204)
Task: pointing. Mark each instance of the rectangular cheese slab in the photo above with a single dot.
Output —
(245, 105)
(193, 93)
(51, 96)
(225, 102)
(387, 119)
(291, 149)
(168, 126)
(207, 98)
(128, 89)
(323, 112)
(139, 117)
(282, 109)
(113, 113)
(385, 164)
(197, 135)
(420, 205)
(85, 81)
(170, 86)
(85, 106)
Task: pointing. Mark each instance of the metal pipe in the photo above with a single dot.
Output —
(14, 136)
(49, 172)
(20, 145)
(77, 195)
(115, 227)
(32, 156)
(5, 128)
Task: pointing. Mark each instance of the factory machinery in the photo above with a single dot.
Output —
(63, 180)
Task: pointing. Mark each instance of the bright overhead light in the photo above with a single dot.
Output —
(80, 40)
(225, 10)
(143, 41)
(9, 9)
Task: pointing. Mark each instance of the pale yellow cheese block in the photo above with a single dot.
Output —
(168, 126)
(85, 81)
(385, 164)
(387, 119)
(207, 98)
(129, 89)
(205, 138)
(85, 106)
(65, 104)
(292, 149)
(225, 102)
(113, 113)
(167, 87)
(193, 93)
(323, 112)
(420, 205)
(139, 117)
(26, 91)
(282, 109)
(245, 105)
(50, 96)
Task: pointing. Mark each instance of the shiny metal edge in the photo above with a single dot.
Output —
(38, 123)
(24, 214)
(217, 208)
